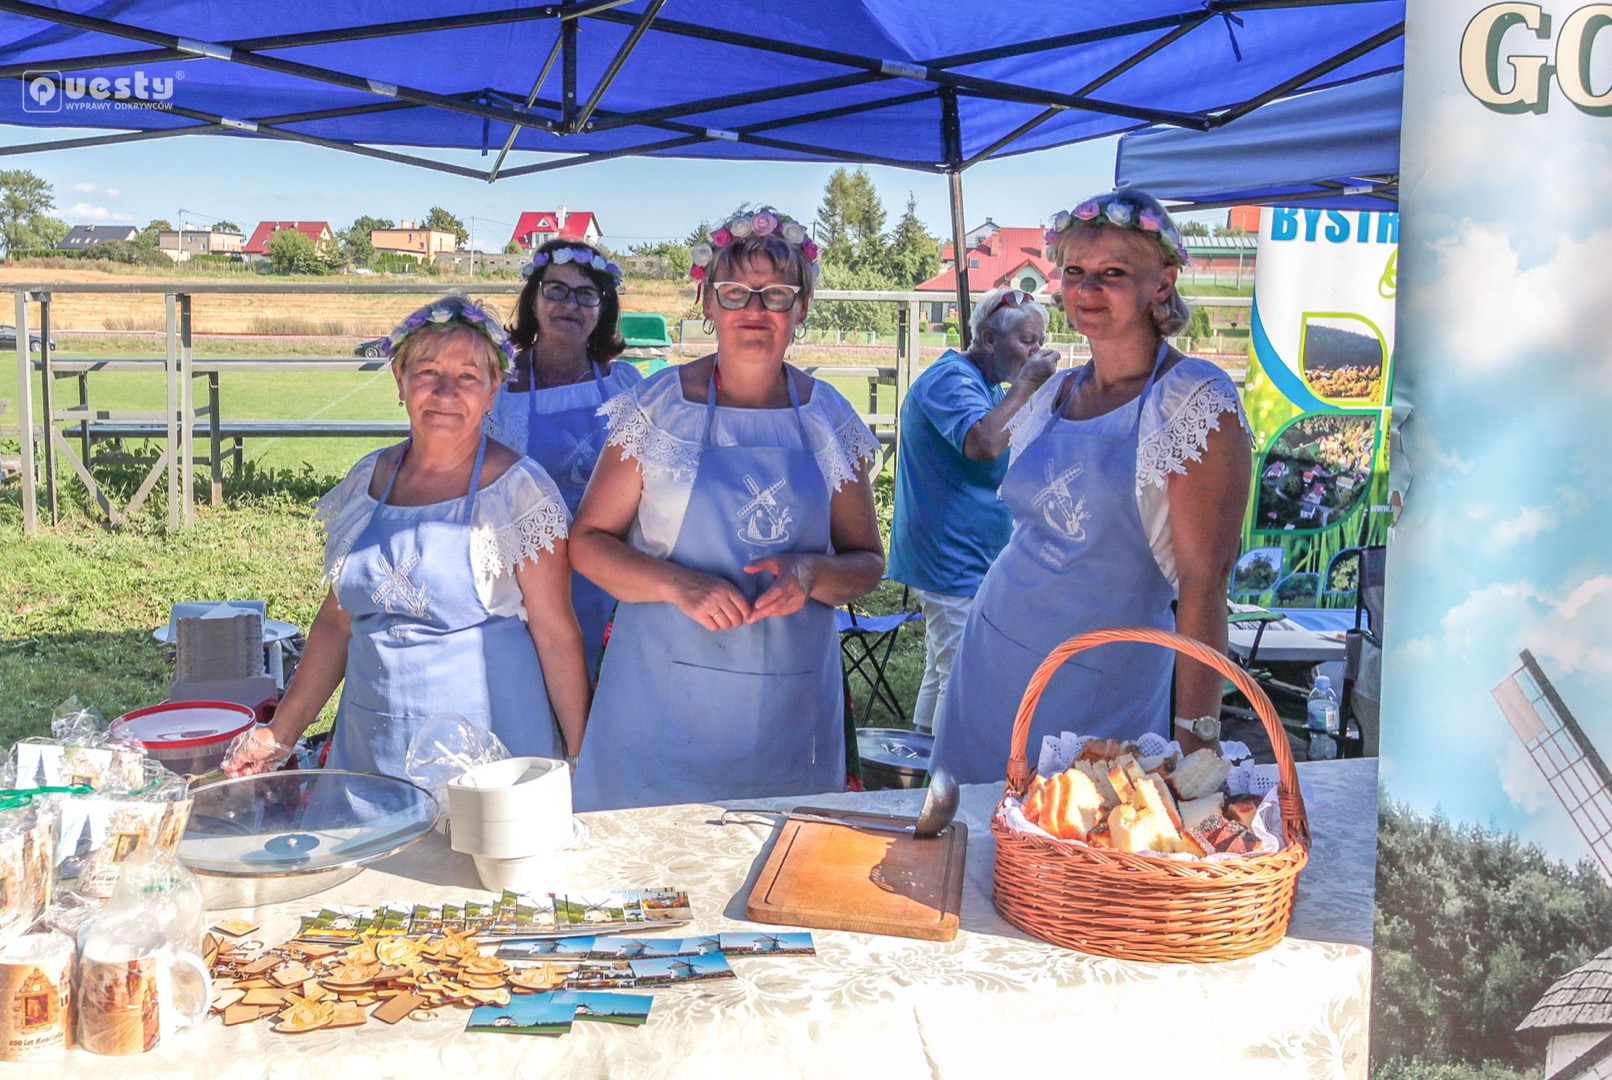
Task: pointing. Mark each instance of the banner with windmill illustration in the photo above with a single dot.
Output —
(1493, 945)
(1320, 368)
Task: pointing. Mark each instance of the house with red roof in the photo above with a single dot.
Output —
(256, 249)
(537, 227)
(997, 256)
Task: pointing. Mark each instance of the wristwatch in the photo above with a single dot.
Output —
(1206, 728)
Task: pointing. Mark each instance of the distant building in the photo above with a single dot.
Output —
(84, 237)
(180, 244)
(537, 227)
(411, 239)
(1245, 218)
(1576, 1016)
(997, 256)
(257, 248)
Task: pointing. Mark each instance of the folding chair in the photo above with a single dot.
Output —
(866, 643)
(1363, 651)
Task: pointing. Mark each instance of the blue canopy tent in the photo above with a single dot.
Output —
(908, 83)
(1337, 148)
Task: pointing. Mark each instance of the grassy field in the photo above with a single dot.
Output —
(80, 601)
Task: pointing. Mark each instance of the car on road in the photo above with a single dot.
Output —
(370, 349)
(8, 340)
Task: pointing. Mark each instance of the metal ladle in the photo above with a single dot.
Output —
(939, 808)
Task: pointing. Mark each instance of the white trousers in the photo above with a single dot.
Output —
(944, 618)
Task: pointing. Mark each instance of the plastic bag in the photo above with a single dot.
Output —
(70, 722)
(143, 950)
(446, 746)
(255, 751)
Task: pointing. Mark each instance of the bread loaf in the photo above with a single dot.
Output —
(1201, 772)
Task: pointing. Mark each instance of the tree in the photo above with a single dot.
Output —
(1227, 230)
(850, 222)
(25, 200)
(439, 218)
(702, 234)
(292, 252)
(1194, 228)
(852, 314)
(913, 255)
(354, 241)
(226, 226)
(512, 248)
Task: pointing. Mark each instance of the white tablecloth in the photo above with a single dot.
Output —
(988, 1003)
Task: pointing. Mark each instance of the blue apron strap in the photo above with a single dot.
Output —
(710, 407)
(475, 478)
(390, 480)
(1158, 363)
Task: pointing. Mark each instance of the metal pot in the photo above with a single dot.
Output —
(893, 757)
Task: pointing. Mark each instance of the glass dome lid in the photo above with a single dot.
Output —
(302, 822)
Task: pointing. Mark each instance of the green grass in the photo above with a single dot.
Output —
(81, 600)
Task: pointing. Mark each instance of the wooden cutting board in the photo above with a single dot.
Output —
(835, 877)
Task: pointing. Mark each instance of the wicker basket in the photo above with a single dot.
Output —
(1142, 907)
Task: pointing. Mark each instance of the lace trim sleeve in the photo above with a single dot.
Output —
(334, 501)
(852, 448)
(1185, 436)
(502, 550)
(629, 427)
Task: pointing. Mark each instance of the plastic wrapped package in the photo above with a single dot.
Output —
(445, 748)
(27, 864)
(100, 830)
(70, 722)
(141, 975)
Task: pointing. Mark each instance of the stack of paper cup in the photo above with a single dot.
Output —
(511, 816)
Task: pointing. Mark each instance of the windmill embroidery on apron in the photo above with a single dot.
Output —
(1062, 512)
(579, 459)
(396, 593)
(766, 520)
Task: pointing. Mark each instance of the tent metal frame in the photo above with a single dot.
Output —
(937, 76)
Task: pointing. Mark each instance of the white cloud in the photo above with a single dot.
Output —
(1556, 305)
(1526, 525)
(83, 211)
(1522, 781)
(91, 188)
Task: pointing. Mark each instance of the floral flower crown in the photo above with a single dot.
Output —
(1119, 208)
(581, 256)
(763, 221)
(450, 309)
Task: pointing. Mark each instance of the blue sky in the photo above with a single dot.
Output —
(247, 180)
(1505, 360)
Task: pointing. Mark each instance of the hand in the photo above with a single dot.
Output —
(255, 750)
(715, 603)
(789, 591)
(1039, 368)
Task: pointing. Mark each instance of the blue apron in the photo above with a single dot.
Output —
(684, 714)
(1079, 560)
(567, 444)
(422, 643)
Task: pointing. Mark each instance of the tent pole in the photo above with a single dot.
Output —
(951, 140)
(954, 180)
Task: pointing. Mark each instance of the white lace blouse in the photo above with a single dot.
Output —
(508, 421)
(516, 516)
(1184, 405)
(654, 424)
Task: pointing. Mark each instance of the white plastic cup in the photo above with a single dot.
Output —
(511, 816)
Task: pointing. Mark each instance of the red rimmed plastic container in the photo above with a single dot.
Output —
(186, 736)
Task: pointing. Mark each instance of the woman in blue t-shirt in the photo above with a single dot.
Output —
(949, 524)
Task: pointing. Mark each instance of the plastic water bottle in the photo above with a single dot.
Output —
(1323, 720)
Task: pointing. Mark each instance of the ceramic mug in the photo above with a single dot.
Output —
(129, 1001)
(36, 982)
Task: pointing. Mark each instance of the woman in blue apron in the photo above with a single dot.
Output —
(450, 584)
(566, 332)
(730, 511)
(1128, 483)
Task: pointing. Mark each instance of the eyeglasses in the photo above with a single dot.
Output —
(559, 292)
(735, 296)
